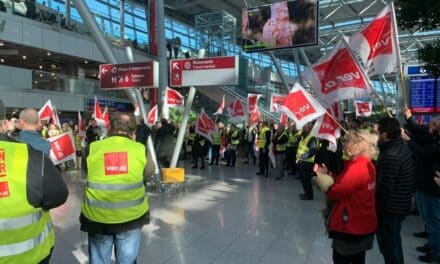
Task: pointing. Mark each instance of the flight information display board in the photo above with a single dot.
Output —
(422, 95)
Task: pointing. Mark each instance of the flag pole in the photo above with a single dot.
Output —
(337, 122)
(399, 57)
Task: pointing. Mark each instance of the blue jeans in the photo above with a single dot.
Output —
(126, 247)
(388, 237)
(432, 221)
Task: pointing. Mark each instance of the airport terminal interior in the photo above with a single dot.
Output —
(53, 49)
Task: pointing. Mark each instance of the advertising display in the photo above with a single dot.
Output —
(280, 25)
(129, 75)
(422, 95)
(204, 72)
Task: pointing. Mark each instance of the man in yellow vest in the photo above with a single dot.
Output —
(292, 147)
(233, 142)
(30, 185)
(307, 148)
(280, 142)
(216, 143)
(115, 205)
(264, 136)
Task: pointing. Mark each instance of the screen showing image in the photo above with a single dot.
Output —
(280, 25)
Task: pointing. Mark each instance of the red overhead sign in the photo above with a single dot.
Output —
(129, 75)
(204, 72)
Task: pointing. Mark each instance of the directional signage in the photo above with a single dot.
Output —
(204, 72)
(129, 75)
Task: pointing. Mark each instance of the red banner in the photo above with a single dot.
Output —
(62, 148)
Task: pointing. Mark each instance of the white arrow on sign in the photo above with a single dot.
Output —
(176, 65)
(104, 70)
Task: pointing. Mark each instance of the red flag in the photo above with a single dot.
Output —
(338, 76)
(363, 108)
(97, 112)
(254, 117)
(221, 107)
(46, 111)
(152, 116)
(205, 126)
(326, 128)
(106, 118)
(62, 148)
(252, 101)
(283, 119)
(236, 110)
(55, 119)
(173, 98)
(377, 44)
(300, 106)
(275, 101)
(81, 125)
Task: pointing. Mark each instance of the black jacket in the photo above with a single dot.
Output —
(46, 188)
(394, 177)
(426, 150)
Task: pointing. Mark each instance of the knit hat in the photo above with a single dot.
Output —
(2, 110)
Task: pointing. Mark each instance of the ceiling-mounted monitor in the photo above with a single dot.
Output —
(280, 25)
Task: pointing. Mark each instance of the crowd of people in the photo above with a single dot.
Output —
(370, 180)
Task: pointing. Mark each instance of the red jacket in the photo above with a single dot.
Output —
(353, 196)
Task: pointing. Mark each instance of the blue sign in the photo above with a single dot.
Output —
(113, 106)
(422, 95)
(416, 70)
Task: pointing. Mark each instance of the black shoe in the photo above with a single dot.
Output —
(428, 258)
(202, 167)
(232, 165)
(246, 162)
(278, 179)
(291, 173)
(425, 249)
(194, 167)
(227, 165)
(211, 163)
(259, 173)
(304, 196)
(420, 234)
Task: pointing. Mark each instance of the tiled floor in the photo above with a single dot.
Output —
(225, 215)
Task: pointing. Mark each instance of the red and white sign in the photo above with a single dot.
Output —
(204, 72)
(115, 163)
(338, 76)
(221, 107)
(300, 106)
(254, 117)
(275, 101)
(99, 116)
(364, 109)
(377, 44)
(326, 128)
(152, 116)
(62, 148)
(55, 119)
(236, 110)
(46, 111)
(252, 101)
(174, 98)
(205, 126)
(4, 189)
(129, 75)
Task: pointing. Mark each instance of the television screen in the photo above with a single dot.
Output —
(280, 25)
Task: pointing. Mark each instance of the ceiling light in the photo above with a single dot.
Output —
(41, 75)
(35, 81)
(41, 67)
(86, 62)
(2, 44)
(48, 53)
(24, 57)
(2, 60)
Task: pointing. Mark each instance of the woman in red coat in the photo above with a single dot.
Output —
(352, 219)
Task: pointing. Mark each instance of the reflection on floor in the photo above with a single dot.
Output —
(225, 215)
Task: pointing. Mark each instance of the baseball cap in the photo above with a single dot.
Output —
(2, 110)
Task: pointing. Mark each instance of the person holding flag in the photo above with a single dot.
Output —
(29, 123)
(280, 140)
(264, 137)
(305, 156)
(216, 143)
(294, 136)
(233, 139)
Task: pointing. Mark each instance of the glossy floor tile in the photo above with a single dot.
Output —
(224, 215)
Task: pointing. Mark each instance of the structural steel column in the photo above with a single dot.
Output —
(298, 68)
(162, 57)
(122, 20)
(280, 73)
(67, 22)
